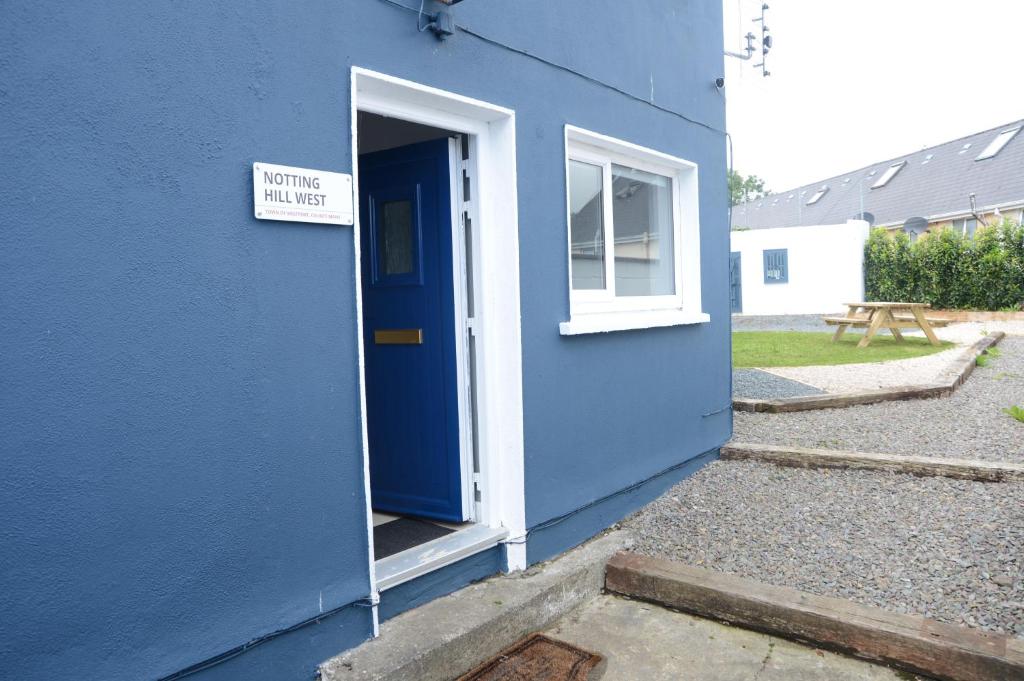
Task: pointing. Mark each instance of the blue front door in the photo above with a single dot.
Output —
(409, 326)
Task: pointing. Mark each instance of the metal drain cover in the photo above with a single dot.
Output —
(539, 658)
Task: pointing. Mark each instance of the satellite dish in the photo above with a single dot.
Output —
(867, 216)
(915, 227)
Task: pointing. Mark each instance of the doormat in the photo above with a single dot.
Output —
(539, 658)
(404, 533)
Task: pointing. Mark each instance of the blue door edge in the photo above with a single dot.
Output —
(445, 311)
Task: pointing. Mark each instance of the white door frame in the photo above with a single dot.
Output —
(463, 323)
(499, 376)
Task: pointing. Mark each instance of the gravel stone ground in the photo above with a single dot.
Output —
(757, 384)
(784, 322)
(842, 378)
(950, 550)
(967, 332)
(970, 424)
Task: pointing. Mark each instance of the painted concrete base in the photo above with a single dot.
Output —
(287, 656)
(451, 635)
(644, 642)
(439, 583)
(549, 539)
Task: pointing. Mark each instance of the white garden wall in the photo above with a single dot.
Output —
(825, 268)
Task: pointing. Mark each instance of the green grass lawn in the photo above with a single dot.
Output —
(800, 349)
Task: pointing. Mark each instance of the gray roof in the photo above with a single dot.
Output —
(936, 181)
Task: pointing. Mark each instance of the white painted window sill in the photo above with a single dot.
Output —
(624, 321)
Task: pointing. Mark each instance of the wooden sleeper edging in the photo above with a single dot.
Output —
(909, 642)
(803, 457)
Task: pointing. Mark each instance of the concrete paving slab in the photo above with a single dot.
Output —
(644, 642)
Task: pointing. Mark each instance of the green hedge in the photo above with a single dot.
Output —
(947, 269)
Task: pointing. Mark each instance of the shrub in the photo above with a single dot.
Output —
(947, 269)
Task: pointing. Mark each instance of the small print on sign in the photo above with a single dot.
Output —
(301, 194)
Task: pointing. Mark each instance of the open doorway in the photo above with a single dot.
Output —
(417, 371)
(455, 257)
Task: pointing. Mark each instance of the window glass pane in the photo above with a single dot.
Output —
(776, 266)
(888, 174)
(644, 239)
(817, 196)
(996, 145)
(586, 225)
(396, 242)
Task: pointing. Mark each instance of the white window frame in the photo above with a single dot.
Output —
(593, 310)
(889, 173)
(998, 143)
(817, 195)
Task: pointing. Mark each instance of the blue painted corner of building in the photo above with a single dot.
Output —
(185, 484)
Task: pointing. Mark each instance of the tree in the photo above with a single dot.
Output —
(742, 189)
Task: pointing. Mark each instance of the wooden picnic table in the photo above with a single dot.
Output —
(883, 315)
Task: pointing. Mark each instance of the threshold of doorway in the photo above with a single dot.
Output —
(437, 553)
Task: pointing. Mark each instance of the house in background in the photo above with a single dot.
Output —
(925, 190)
(801, 251)
(232, 445)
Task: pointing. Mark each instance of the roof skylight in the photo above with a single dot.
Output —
(817, 196)
(996, 145)
(888, 174)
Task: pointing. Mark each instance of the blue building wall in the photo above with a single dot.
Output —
(181, 466)
(440, 582)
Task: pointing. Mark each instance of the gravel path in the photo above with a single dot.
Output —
(757, 384)
(969, 424)
(842, 378)
(950, 550)
(968, 332)
(782, 322)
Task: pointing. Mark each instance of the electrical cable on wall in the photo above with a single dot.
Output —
(245, 647)
(561, 67)
(420, 26)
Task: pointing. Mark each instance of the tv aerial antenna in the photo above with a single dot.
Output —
(750, 49)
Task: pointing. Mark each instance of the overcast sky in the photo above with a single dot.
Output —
(854, 82)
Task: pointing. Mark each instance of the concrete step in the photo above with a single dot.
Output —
(645, 642)
(453, 634)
